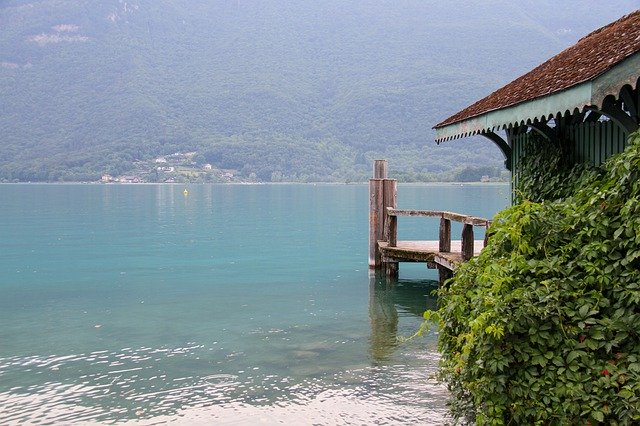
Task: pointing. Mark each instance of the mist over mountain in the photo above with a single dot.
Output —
(270, 89)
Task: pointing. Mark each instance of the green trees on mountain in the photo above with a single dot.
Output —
(90, 88)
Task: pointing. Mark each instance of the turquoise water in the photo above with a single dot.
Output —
(231, 305)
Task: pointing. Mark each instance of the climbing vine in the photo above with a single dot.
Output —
(545, 171)
(544, 326)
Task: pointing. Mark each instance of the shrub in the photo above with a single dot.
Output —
(543, 327)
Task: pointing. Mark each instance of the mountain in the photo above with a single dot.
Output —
(270, 89)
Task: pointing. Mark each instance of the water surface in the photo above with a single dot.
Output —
(234, 304)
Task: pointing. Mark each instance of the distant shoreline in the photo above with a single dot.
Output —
(259, 183)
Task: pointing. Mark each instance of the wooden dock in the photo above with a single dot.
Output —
(427, 252)
(386, 252)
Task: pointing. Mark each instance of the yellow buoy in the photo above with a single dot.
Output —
(185, 192)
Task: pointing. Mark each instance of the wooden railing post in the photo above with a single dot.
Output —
(391, 230)
(445, 235)
(467, 241)
(390, 192)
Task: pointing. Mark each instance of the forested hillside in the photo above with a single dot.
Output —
(264, 89)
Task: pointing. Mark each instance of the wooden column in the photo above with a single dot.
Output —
(443, 274)
(444, 244)
(467, 241)
(391, 230)
(390, 192)
(376, 221)
(382, 194)
(391, 269)
(379, 169)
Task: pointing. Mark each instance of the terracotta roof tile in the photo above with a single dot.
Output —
(589, 57)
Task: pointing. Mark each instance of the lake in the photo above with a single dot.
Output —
(234, 304)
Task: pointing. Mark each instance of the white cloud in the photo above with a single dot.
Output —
(68, 28)
(44, 39)
(14, 66)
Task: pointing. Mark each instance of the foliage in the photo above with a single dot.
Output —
(92, 87)
(543, 327)
(546, 171)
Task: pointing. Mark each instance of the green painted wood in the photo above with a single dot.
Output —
(591, 142)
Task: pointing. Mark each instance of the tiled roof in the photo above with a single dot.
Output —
(591, 56)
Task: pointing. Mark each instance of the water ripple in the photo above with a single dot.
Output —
(134, 386)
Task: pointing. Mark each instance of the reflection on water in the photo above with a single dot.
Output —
(233, 305)
(134, 385)
(300, 377)
(388, 299)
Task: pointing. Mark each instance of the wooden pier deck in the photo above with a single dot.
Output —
(386, 252)
(427, 252)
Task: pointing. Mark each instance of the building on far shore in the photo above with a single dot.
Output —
(586, 99)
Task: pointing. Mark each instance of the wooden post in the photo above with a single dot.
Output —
(467, 241)
(486, 235)
(382, 194)
(444, 244)
(376, 221)
(391, 269)
(391, 230)
(380, 169)
(390, 192)
(443, 274)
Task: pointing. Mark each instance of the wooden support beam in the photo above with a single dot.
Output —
(445, 235)
(443, 275)
(467, 241)
(593, 116)
(577, 118)
(544, 130)
(391, 269)
(626, 94)
(503, 145)
(614, 111)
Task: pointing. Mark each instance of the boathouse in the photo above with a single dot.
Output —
(586, 100)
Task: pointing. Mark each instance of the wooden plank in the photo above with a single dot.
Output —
(424, 251)
(476, 221)
(454, 216)
(457, 217)
(420, 213)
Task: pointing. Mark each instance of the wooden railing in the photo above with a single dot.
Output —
(468, 222)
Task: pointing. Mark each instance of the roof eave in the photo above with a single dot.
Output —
(589, 93)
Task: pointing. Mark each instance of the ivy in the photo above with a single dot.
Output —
(543, 327)
(546, 172)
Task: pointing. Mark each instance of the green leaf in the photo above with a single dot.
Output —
(573, 355)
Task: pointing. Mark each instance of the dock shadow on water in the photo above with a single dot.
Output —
(389, 299)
